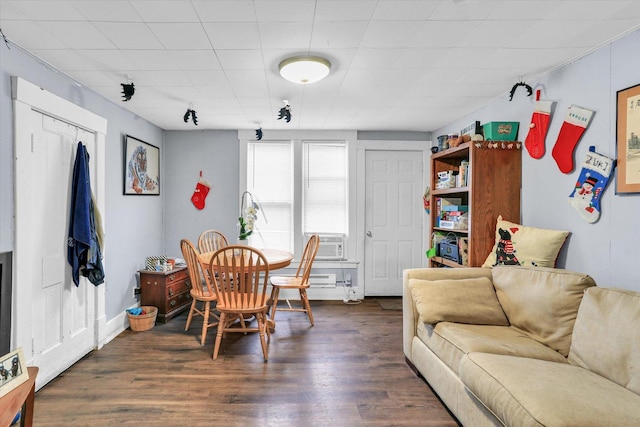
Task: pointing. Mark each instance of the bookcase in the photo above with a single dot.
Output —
(490, 188)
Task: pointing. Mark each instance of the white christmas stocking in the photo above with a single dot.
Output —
(593, 179)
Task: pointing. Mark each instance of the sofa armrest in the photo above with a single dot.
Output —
(409, 311)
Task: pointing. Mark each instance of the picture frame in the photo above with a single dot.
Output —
(141, 168)
(13, 371)
(628, 140)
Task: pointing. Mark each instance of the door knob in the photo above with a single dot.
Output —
(369, 234)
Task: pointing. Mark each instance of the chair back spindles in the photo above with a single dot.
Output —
(211, 241)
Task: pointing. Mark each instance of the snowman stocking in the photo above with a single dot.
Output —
(538, 127)
(575, 122)
(593, 179)
(200, 193)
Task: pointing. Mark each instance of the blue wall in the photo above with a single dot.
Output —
(607, 249)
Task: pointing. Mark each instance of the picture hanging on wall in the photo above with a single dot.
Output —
(141, 168)
(628, 140)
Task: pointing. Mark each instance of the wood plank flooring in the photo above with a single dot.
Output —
(347, 370)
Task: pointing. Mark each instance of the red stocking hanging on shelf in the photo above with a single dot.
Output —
(200, 194)
(538, 127)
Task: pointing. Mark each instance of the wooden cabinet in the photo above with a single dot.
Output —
(169, 291)
(492, 188)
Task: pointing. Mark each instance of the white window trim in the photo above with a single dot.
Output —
(350, 137)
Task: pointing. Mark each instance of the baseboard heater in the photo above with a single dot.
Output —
(320, 280)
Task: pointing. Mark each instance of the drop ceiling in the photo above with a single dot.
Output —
(396, 65)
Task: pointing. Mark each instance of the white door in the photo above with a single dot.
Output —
(393, 222)
(55, 322)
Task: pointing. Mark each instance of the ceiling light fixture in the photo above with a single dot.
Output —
(304, 69)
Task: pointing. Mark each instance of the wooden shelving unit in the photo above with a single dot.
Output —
(493, 188)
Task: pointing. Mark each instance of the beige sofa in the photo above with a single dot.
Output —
(524, 346)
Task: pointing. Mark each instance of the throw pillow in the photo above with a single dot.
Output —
(541, 301)
(472, 301)
(517, 244)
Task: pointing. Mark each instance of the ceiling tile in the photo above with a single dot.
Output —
(180, 35)
(165, 11)
(285, 11)
(408, 10)
(285, 35)
(78, 35)
(111, 11)
(129, 35)
(45, 10)
(30, 35)
(233, 35)
(195, 59)
(390, 33)
(225, 11)
(338, 34)
(241, 59)
(344, 10)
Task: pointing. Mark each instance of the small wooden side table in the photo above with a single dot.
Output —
(22, 397)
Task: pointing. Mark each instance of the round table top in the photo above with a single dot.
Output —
(275, 257)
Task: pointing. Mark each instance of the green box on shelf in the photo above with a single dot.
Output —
(500, 131)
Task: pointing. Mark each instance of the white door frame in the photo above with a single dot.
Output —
(26, 97)
(361, 148)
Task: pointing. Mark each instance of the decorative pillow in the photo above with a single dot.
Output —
(521, 245)
(472, 301)
(541, 301)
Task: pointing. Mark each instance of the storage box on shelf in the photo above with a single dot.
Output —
(467, 213)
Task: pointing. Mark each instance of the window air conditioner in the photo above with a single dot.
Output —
(332, 247)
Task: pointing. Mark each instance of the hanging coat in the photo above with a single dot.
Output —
(82, 233)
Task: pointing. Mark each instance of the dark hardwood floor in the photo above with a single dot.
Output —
(347, 370)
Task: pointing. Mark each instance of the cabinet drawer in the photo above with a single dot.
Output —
(178, 301)
(178, 287)
(177, 276)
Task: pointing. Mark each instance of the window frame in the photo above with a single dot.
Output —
(298, 138)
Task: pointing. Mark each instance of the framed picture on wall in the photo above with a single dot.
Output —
(13, 372)
(141, 167)
(628, 140)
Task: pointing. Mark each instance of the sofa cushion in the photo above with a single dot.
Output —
(451, 341)
(542, 302)
(517, 244)
(606, 336)
(530, 392)
(462, 301)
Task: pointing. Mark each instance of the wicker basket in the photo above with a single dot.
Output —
(143, 322)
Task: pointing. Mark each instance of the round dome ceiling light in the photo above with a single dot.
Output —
(304, 69)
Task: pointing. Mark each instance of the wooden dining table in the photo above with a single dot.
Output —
(276, 258)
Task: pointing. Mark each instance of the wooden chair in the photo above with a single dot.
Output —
(241, 276)
(201, 289)
(299, 282)
(211, 241)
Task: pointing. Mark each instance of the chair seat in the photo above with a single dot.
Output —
(243, 306)
(288, 282)
(204, 297)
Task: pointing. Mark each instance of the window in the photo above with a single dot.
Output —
(325, 188)
(302, 187)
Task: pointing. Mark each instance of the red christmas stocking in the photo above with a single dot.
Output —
(575, 122)
(200, 193)
(538, 127)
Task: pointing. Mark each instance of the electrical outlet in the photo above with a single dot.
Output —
(347, 277)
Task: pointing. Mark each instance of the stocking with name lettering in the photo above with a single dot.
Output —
(575, 122)
(593, 179)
